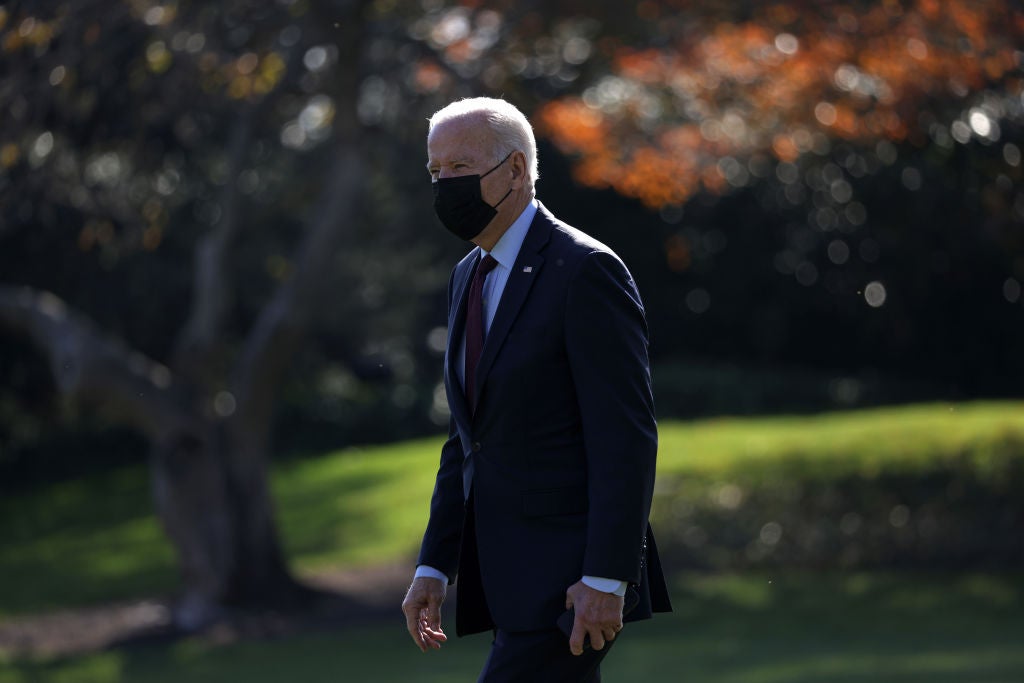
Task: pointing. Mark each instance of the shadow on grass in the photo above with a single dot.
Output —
(96, 540)
(794, 628)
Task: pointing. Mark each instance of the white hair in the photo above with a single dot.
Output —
(512, 131)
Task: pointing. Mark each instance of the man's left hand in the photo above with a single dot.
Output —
(598, 615)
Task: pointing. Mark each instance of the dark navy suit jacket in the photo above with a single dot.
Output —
(551, 477)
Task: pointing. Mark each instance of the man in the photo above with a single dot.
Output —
(545, 484)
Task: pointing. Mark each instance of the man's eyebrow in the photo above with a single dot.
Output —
(456, 160)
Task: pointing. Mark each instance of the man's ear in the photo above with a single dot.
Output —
(518, 169)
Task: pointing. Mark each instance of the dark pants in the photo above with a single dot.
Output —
(540, 657)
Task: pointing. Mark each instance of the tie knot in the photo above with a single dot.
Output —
(487, 264)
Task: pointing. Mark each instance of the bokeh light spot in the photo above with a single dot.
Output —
(698, 301)
(771, 533)
(315, 58)
(838, 252)
(981, 124)
(875, 294)
(1011, 154)
(158, 57)
(787, 44)
(57, 75)
(917, 49)
(1011, 290)
(899, 516)
(911, 178)
(224, 404)
(825, 112)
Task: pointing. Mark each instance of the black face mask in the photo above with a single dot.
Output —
(460, 206)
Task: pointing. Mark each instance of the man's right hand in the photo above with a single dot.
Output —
(422, 608)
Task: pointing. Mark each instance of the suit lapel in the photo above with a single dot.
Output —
(525, 271)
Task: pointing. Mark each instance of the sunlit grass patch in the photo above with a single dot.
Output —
(358, 505)
(905, 438)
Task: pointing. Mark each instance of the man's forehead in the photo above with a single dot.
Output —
(458, 137)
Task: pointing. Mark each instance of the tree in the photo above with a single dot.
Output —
(207, 408)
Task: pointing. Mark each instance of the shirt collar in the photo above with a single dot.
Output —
(507, 248)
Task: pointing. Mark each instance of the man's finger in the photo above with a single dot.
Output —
(432, 614)
(597, 639)
(576, 638)
(431, 640)
(413, 626)
(430, 628)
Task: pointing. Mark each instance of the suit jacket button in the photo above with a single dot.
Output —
(476, 446)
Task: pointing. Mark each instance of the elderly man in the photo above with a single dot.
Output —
(542, 497)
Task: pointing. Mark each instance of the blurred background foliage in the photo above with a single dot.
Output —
(821, 202)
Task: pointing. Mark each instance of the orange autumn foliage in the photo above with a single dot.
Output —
(850, 72)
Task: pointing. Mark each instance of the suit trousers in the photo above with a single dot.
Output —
(540, 657)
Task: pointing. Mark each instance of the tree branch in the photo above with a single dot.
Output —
(89, 366)
(283, 320)
(212, 288)
(211, 284)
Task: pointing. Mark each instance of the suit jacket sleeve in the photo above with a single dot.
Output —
(443, 537)
(606, 340)
(442, 541)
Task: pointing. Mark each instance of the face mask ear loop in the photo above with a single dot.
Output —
(503, 198)
(496, 166)
(507, 157)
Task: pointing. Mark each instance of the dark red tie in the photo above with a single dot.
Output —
(475, 325)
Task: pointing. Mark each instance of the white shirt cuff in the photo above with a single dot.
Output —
(430, 572)
(598, 583)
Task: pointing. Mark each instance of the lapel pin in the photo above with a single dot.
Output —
(528, 269)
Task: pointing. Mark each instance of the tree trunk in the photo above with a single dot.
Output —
(214, 503)
(209, 474)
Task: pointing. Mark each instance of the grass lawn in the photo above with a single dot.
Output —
(87, 541)
(95, 540)
(82, 542)
(726, 629)
(906, 439)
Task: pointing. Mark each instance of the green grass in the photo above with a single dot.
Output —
(358, 506)
(902, 439)
(93, 540)
(96, 539)
(757, 628)
(81, 542)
